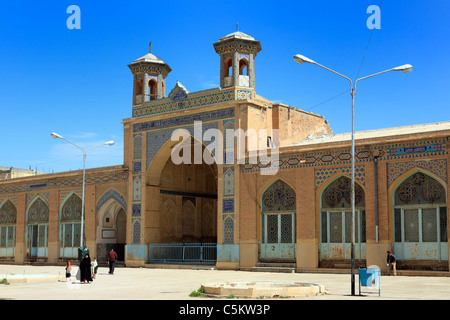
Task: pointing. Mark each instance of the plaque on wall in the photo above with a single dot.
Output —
(108, 234)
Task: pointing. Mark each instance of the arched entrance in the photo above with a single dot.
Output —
(420, 219)
(37, 229)
(70, 226)
(8, 217)
(336, 223)
(186, 222)
(111, 230)
(278, 207)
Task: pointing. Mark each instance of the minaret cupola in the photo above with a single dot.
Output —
(149, 78)
(237, 59)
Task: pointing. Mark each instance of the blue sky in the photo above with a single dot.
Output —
(77, 83)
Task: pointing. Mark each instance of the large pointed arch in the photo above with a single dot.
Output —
(111, 224)
(162, 150)
(70, 209)
(418, 206)
(36, 235)
(8, 218)
(177, 192)
(278, 222)
(37, 211)
(400, 179)
(335, 221)
(70, 225)
(112, 194)
(8, 212)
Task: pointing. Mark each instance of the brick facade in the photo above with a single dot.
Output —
(163, 203)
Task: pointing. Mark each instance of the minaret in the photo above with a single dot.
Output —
(237, 59)
(149, 81)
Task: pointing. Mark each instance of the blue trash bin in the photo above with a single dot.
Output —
(370, 277)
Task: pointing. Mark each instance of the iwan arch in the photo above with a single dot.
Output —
(237, 213)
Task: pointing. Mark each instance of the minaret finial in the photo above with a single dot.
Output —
(150, 47)
(237, 27)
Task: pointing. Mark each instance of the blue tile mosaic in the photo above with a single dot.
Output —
(185, 103)
(136, 167)
(228, 205)
(156, 139)
(112, 194)
(228, 181)
(438, 167)
(323, 174)
(184, 120)
(136, 211)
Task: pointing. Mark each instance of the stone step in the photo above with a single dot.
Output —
(274, 267)
(343, 265)
(276, 264)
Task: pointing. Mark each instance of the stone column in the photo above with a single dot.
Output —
(235, 81)
(251, 70)
(160, 87)
(145, 88)
(222, 76)
(133, 102)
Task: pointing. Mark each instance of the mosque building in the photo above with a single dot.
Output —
(278, 188)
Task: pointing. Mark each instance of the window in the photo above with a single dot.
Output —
(71, 222)
(243, 67)
(278, 208)
(336, 221)
(228, 67)
(139, 86)
(152, 89)
(420, 219)
(8, 216)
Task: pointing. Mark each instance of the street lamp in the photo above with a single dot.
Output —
(405, 69)
(109, 143)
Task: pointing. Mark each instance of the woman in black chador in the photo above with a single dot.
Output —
(85, 269)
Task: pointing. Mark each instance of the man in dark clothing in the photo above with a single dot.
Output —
(112, 258)
(391, 261)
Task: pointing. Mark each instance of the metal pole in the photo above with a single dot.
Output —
(353, 194)
(405, 69)
(82, 201)
(110, 143)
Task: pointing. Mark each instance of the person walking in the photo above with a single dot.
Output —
(94, 266)
(112, 258)
(391, 261)
(68, 270)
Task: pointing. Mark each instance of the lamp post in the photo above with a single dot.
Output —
(110, 143)
(405, 69)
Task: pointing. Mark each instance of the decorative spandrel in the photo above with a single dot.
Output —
(338, 194)
(420, 189)
(38, 212)
(71, 211)
(279, 197)
(8, 213)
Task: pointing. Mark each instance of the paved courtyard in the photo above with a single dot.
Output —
(48, 283)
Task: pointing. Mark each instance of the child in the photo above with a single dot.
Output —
(94, 265)
(68, 270)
